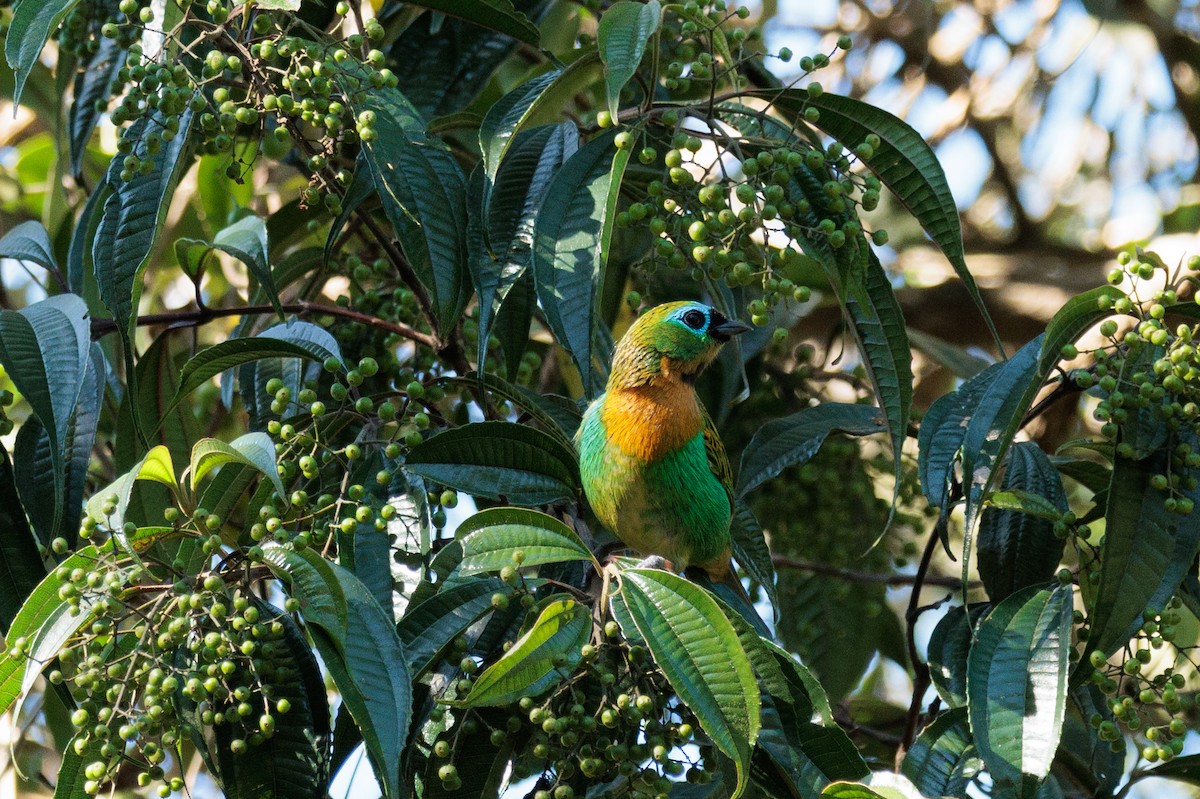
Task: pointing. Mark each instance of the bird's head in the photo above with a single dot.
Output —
(673, 341)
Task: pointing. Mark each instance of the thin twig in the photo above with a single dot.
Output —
(783, 562)
(200, 316)
(921, 677)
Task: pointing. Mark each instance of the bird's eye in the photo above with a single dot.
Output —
(694, 319)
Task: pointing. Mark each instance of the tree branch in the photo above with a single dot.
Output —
(204, 315)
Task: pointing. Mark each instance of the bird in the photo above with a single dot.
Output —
(652, 466)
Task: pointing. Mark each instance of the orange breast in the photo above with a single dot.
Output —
(648, 422)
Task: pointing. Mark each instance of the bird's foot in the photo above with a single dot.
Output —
(656, 562)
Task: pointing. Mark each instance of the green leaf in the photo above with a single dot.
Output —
(571, 247)
(44, 350)
(21, 565)
(46, 623)
(907, 165)
(92, 83)
(794, 439)
(990, 431)
(156, 466)
(503, 220)
(490, 537)
(1146, 553)
(937, 760)
(429, 627)
(252, 449)
(1016, 544)
(210, 362)
(1181, 769)
(253, 376)
(947, 652)
(133, 216)
(537, 661)
(962, 363)
(879, 328)
(32, 23)
(624, 30)
(358, 643)
(424, 195)
(246, 240)
(278, 5)
(294, 761)
(537, 102)
(558, 415)
(72, 771)
(849, 790)
(498, 15)
(1017, 685)
(30, 242)
(698, 651)
(498, 460)
(750, 548)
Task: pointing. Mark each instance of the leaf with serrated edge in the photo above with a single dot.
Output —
(429, 627)
(624, 30)
(495, 459)
(698, 651)
(1017, 684)
(252, 449)
(794, 439)
(528, 667)
(498, 15)
(490, 537)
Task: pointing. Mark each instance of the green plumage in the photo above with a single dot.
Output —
(653, 469)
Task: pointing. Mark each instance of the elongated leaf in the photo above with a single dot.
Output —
(504, 219)
(428, 628)
(133, 216)
(947, 652)
(58, 516)
(32, 23)
(794, 439)
(990, 430)
(571, 242)
(849, 790)
(498, 460)
(962, 363)
(155, 466)
(30, 242)
(210, 362)
(1145, 554)
(498, 15)
(424, 195)
(751, 551)
(72, 772)
(359, 645)
(490, 537)
(1017, 685)
(21, 566)
(538, 660)
(906, 164)
(42, 621)
(1182, 769)
(1018, 548)
(246, 240)
(883, 341)
(252, 449)
(558, 415)
(254, 376)
(44, 349)
(536, 102)
(698, 651)
(938, 760)
(624, 30)
(294, 761)
(93, 84)
(941, 435)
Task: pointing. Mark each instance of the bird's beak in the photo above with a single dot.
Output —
(727, 328)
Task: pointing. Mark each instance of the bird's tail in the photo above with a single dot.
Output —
(725, 584)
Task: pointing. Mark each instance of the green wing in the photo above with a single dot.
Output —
(718, 460)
